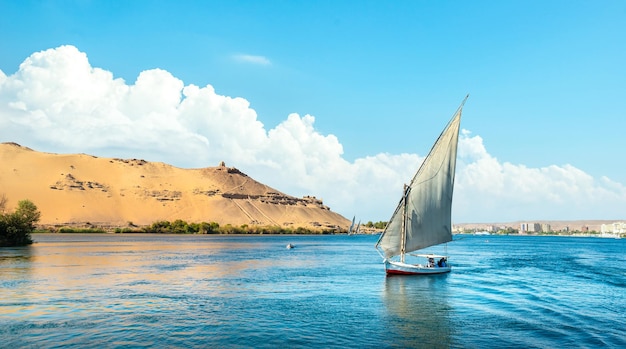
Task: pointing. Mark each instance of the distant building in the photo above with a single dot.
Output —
(615, 228)
(530, 228)
(546, 228)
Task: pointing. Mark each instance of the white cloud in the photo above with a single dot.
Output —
(57, 102)
(260, 60)
(485, 186)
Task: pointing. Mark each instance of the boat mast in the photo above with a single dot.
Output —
(404, 218)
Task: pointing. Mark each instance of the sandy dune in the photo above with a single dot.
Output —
(76, 189)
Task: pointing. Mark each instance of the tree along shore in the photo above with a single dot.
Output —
(182, 227)
(16, 227)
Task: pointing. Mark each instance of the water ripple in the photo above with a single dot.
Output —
(94, 291)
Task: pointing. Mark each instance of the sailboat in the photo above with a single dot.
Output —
(353, 230)
(350, 232)
(423, 216)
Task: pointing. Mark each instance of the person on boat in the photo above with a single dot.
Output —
(442, 262)
(431, 262)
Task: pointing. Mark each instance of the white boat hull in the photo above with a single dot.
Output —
(399, 268)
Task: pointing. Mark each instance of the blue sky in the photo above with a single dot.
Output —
(378, 80)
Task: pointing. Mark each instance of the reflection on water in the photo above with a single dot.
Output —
(418, 310)
(15, 265)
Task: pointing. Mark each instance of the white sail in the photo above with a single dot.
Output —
(424, 211)
(351, 226)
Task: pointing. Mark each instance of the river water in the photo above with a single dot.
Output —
(330, 291)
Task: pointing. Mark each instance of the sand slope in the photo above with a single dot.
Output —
(76, 189)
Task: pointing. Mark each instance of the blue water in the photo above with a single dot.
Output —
(330, 291)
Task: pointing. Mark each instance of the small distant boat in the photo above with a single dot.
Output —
(290, 246)
(351, 226)
(354, 229)
(423, 216)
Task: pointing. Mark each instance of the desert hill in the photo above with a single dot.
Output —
(78, 189)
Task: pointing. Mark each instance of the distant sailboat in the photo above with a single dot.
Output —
(423, 216)
(351, 226)
(354, 229)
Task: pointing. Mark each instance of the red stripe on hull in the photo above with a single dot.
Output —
(400, 272)
(404, 272)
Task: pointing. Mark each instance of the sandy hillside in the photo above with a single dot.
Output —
(78, 188)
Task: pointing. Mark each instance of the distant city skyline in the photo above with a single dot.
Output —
(339, 100)
(580, 226)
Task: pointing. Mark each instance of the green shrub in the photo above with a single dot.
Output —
(67, 230)
(16, 227)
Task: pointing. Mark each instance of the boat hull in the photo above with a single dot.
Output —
(398, 268)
